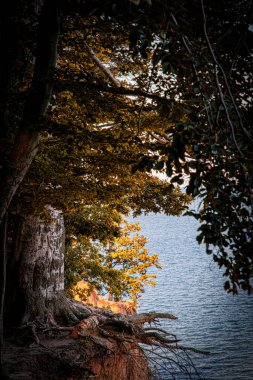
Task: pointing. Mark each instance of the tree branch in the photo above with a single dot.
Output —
(79, 85)
(140, 319)
(101, 66)
(218, 66)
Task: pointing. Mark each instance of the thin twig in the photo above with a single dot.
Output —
(217, 65)
(187, 46)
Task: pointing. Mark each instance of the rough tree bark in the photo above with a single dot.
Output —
(36, 273)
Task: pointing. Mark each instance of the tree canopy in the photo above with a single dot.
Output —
(118, 267)
(138, 85)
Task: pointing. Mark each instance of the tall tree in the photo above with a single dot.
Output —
(89, 144)
(181, 110)
(136, 88)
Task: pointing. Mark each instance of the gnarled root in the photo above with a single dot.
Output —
(131, 328)
(160, 346)
(103, 338)
(58, 310)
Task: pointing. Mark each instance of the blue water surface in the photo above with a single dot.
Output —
(190, 286)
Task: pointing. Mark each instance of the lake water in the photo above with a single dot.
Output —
(190, 286)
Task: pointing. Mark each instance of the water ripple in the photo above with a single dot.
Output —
(191, 287)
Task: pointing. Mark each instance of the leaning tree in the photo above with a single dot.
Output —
(56, 148)
(189, 110)
(148, 92)
(71, 147)
(106, 90)
(84, 168)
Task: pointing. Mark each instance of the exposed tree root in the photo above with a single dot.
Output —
(140, 319)
(60, 309)
(68, 310)
(166, 352)
(103, 337)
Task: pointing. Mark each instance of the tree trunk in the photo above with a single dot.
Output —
(36, 272)
(26, 125)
